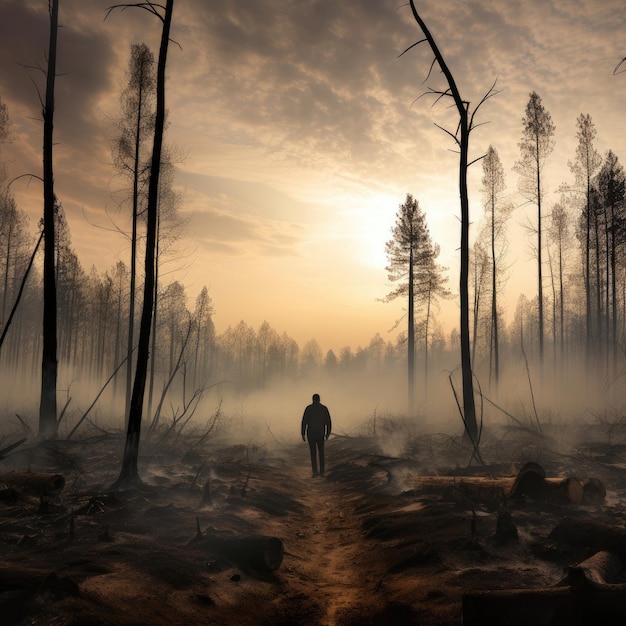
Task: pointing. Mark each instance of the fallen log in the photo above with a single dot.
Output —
(546, 606)
(35, 482)
(259, 552)
(497, 490)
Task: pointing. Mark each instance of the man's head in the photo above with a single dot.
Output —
(316, 397)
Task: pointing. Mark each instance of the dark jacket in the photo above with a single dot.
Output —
(316, 421)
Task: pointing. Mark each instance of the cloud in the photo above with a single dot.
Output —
(237, 218)
(231, 234)
(290, 109)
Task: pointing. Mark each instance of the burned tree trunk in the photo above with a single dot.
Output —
(129, 473)
(48, 401)
(461, 137)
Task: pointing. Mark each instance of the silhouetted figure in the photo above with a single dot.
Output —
(316, 425)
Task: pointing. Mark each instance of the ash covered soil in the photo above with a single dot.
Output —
(381, 539)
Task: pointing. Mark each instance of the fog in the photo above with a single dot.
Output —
(371, 403)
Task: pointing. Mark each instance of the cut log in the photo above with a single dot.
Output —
(35, 482)
(594, 491)
(495, 491)
(566, 491)
(596, 572)
(593, 535)
(545, 607)
(259, 552)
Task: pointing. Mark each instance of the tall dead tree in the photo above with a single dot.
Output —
(48, 401)
(129, 473)
(461, 138)
(535, 146)
(559, 233)
(136, 127)
(584, 167)
(497, 213)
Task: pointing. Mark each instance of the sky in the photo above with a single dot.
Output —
(298, 130)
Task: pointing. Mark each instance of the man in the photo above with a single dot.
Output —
(316, 425)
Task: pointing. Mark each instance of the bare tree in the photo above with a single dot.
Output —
(129, 473)
(611, 185)
(137, 124)
(536, 145)
(461, 139)
(480, 270)
(48, 403)
(431, 286)
(584, 167)
(560, 235)
(497, 211)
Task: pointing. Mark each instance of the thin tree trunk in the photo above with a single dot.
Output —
(428, 304)
(539, 259)
(607, 290)
(133, 253)
(129, 473)
(561, 307)
(598, 293)
(613, 289)
(154, 321)
(476, 306)
(411, 336)
(7, 266)
(118, 332)
(553, 285)
(7, 324)
(48, 402)
(494, 295)
(588, 271)
(469, 406)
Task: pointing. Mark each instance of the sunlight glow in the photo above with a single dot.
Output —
(377, 214)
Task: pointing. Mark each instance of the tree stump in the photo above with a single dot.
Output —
(596, 572)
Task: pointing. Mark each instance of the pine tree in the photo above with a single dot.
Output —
(411, 256)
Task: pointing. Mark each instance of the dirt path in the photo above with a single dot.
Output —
(326, 560)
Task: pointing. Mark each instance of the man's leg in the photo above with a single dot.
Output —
(320, 445)
(313, 456)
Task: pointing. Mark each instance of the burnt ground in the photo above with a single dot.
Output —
(374, 542)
